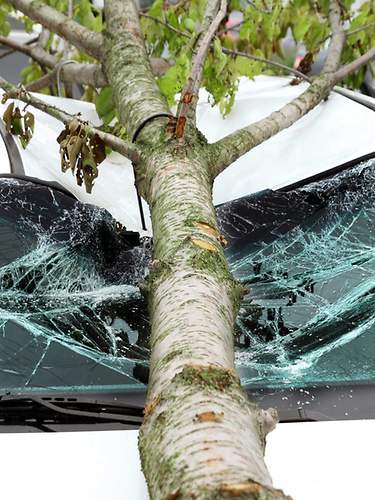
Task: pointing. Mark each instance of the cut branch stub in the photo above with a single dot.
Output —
(81, 152)
(18, 124)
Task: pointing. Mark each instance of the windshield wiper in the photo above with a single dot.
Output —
(38, 412)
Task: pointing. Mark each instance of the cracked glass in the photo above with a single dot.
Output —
(72, 316)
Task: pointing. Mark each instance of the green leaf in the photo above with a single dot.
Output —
(17, 128)
(86, 15)
(7, 116)
(4, 25)
(104, 105)
(246, 30)
(173, 80)
(246, 67)
(156, 9)
(189, 25)
(31, 73)
(316, 35)
(301, 27)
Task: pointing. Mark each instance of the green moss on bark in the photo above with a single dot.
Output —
(212, 377)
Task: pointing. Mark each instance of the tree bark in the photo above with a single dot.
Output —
(128, 68)
(201, 438)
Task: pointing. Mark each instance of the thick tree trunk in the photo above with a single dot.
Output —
(201, 437)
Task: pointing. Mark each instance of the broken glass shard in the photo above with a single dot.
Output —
(307, 258)
(72, 315)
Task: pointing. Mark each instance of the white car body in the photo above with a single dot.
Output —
(309, 461)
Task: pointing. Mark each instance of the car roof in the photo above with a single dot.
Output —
(337, 131)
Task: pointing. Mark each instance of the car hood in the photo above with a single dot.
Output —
(325, 460)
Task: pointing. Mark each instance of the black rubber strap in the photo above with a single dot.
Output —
(152, 117)
(149, 119)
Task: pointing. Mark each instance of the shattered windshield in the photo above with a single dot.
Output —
(72, 316)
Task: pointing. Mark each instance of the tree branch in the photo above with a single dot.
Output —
(337, 42)
(80, 73)
(232, 52)
(11, 51)
(34, 51)
(359, 29)
(214, 14)
(233, 146)
(127, 67)
(76, 34)
(128, 150)
(41, 83)
(352, 67)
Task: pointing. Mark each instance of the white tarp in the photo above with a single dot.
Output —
(337, 131)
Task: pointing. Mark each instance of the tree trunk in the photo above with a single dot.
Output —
(201, 437)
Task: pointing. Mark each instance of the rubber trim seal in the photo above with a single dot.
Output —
(326, 174)
(15, 160)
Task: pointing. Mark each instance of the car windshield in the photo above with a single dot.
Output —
(72, 316)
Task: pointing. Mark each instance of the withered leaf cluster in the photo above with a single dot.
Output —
(19, 124)
(81, 152)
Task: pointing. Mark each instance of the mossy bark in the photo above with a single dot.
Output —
(128, 68)
(201, 438)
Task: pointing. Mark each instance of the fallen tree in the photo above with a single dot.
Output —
(201, 437)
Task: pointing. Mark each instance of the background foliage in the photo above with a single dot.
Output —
(270, 29)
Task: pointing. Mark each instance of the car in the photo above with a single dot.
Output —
(298, 215)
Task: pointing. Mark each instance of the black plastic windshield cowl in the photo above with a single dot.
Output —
(51, 414)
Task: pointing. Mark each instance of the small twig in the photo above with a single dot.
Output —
(337, 42)
(163, 23)
(360, 28)
(125, 148)
(263, 11)
(7, 53)
(42, 82)
(350, 68)
(189, 94)
(269, 62)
